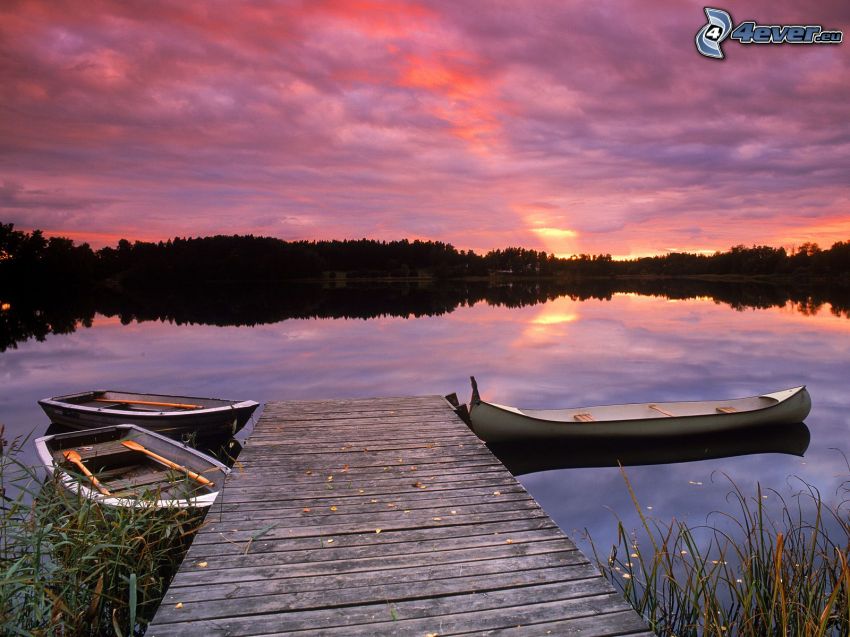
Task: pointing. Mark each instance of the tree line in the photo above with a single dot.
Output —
(29, 259)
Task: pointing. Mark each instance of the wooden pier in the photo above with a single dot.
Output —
(383, 516)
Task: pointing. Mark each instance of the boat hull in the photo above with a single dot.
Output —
(496, 423)
(215, 419)
(135, 479)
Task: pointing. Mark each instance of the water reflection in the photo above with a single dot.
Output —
(37, 317)
(532, 456)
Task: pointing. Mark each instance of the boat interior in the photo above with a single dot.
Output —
(127, 473)
(126, 401)
(643, 411)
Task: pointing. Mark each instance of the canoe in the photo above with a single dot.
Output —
(493, 422)
(173, 416)
(97, 464)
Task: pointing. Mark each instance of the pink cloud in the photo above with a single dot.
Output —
(426, 119)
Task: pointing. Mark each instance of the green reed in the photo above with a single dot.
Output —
(69, 566)
(750, 573)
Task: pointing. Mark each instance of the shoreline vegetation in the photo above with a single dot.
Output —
(69, 566)
(747, 572)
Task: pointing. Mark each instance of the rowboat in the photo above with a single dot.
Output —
(127, 466)
(174, 416)
(493, 422)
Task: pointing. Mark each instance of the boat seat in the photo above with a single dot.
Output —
(583, 417)
(661, 411)
(726, 410)
(145, 479)
(96, 450)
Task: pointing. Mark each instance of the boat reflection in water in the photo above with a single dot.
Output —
(529, 456)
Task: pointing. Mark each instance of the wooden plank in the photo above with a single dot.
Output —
(559, 567)
(254, 558)
(278, 598)
(441, 615)
(370, 487)
(413, 602)
(381, 517)
(228, 531)
(498, 530)
(431, 560)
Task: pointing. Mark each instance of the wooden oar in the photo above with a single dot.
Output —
(147, 402)
(135, 446)
(77, 459)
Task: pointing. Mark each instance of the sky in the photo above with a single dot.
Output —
(571, 127)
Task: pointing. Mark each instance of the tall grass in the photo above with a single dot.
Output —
(69, 566)
(749, 572)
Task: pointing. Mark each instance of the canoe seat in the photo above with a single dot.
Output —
(726, 410)
(583, 417)
(661, 411)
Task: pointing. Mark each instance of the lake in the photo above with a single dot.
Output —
(528, 344)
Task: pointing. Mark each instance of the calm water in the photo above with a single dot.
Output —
(560, 352)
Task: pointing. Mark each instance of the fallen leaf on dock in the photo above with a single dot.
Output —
(333, 508)
(497, 493)
(202, 564)
(306, 509)
(344, 468)
(419, 485)
(509, 541)
(377, 530)
(330, 478)
(178, 605)
(437, 519)
(309, 472)
(373, 501)
(330, 541)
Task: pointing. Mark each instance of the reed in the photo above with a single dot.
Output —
(69, 566)
(748, 572)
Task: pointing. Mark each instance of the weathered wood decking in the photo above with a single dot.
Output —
(382, 517)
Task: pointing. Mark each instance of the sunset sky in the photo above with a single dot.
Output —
(572, 127)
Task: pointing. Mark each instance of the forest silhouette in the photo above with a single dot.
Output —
(28, 258)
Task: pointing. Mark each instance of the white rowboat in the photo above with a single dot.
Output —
(493, 422)
(127, 466)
